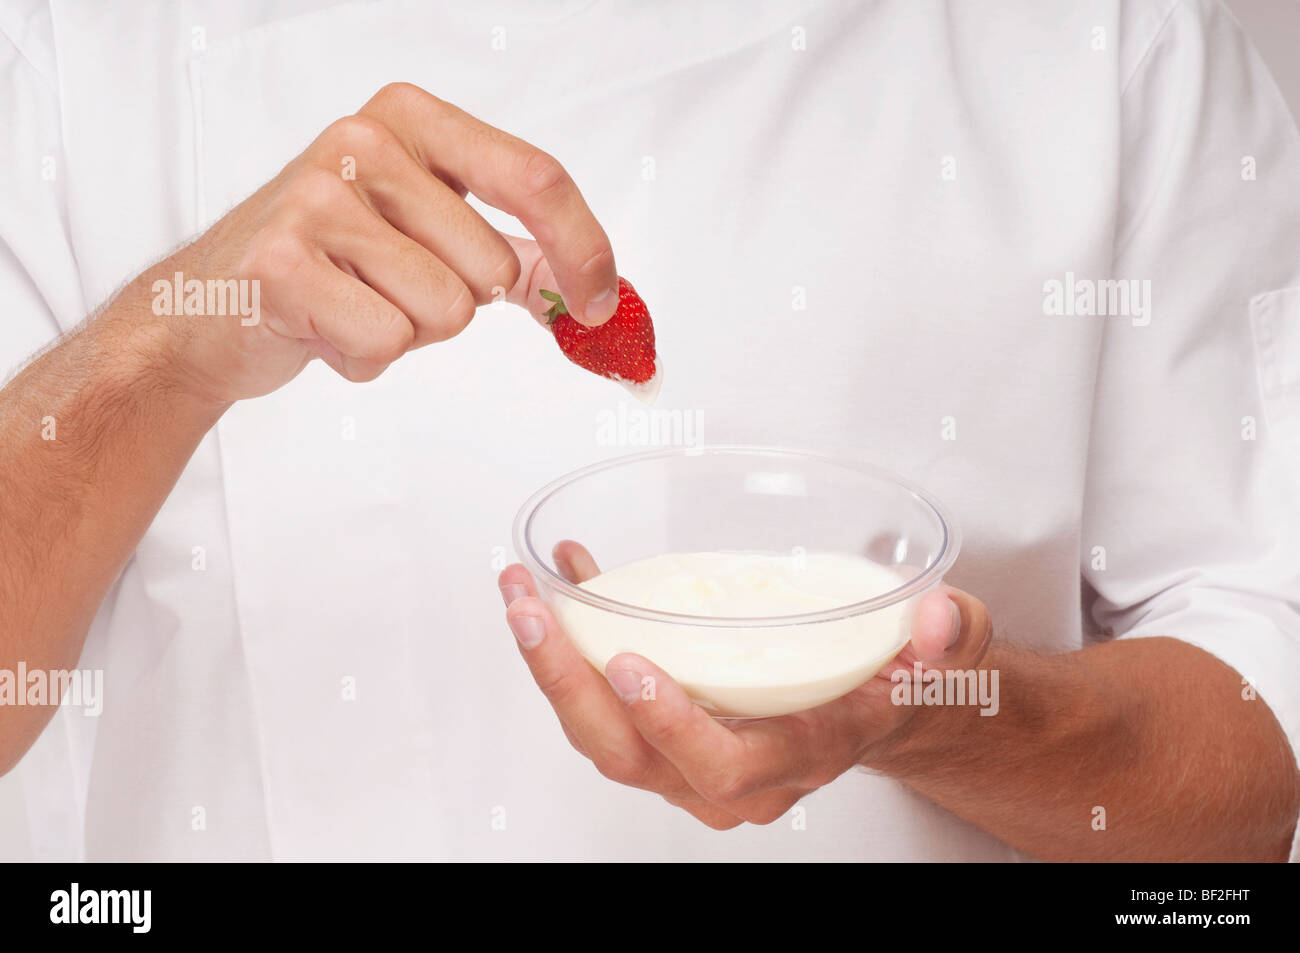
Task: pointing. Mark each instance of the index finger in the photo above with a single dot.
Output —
(715, 761)
(516, 177)
(582, 699)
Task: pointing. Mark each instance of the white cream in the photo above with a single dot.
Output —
(746, 670)
(647, 391)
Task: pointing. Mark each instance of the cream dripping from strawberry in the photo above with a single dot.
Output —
(622, 349)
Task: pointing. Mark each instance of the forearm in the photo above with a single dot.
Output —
(1155, 732)
(93, 435)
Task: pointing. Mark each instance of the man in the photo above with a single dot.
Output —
(863, 228)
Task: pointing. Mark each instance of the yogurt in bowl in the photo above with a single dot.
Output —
(765, 581)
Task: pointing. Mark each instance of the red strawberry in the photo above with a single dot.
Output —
(622, 349)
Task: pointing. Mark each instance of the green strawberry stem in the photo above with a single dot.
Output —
(557, 305)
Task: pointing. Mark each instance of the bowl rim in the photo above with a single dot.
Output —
(932, 574)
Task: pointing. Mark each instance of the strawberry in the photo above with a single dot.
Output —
(622, 349)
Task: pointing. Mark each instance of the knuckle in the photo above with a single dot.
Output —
(627, 770)
(506, 275)
(665, 733)
(317, 190)
(598, 263)
(460, 312)
(560, 687)
(771, 810)
(706, 815)
(542, 173)
(820, 777)
(716, 822)
(454, 318)
(358, 133)
(762, 816)
(273, 254)
(363, 372)
(394, 341)
(724, 787)
(400, 95)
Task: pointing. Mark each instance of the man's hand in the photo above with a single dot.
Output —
(722, 774)
(365, 248)
(355, 270)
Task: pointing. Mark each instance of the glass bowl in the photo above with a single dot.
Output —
(804, 511)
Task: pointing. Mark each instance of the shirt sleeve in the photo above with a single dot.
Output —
(39, 282)
(1192, 508)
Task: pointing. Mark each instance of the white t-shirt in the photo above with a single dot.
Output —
(846, 219)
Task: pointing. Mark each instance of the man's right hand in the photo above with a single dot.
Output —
(353, 270)
(364, 248)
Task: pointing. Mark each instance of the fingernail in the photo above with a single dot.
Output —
(601, 308)
(528, 629)
(512, 592)
(955, 633)
(626, 684)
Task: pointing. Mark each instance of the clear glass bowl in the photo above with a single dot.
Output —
(749, 500)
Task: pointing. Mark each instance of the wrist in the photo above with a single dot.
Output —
(148, 354)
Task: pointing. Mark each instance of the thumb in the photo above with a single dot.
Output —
(951, 629)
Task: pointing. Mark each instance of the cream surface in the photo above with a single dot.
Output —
(738, 670)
